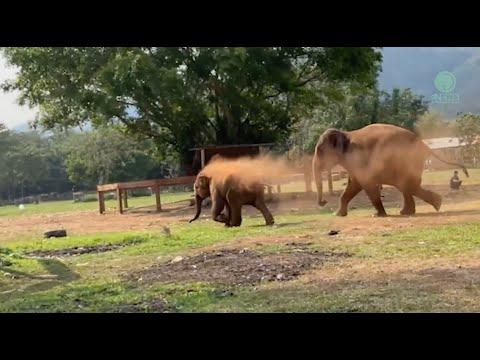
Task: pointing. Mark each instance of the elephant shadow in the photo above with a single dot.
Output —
(56, 270)
(281, 225)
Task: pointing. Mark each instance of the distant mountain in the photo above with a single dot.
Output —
(416, 68)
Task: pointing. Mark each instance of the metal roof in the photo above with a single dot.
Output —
(443, 143)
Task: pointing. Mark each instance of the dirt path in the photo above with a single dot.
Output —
(89, 222)
(458, 207)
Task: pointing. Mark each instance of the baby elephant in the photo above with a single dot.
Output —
(230, 191)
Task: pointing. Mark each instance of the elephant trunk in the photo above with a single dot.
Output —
(317, 175)
(198, 204)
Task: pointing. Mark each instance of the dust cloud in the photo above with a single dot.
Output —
(264, 169)
(268, 170)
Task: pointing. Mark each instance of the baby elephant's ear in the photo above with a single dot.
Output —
(338, 140)
(203, 181)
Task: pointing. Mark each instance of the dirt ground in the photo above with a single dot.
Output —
(459, 206)
(238, 267)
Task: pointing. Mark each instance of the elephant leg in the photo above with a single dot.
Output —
(352, 189)
(374, 195)
(235, 208)
(227, 214)
(430, 197)
(260, 205)
(408, 204)
(218, 203)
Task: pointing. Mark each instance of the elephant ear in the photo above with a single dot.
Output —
(338, 140)
(203, 181)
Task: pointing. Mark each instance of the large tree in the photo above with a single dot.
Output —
(106, 155)
(181, 97)
(34, 163)
(23, 164)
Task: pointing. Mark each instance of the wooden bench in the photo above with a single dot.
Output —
(121, 190)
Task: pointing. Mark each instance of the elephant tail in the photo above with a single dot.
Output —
(450, 163)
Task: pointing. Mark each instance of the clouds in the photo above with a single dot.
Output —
(416, 68)
(11, 113)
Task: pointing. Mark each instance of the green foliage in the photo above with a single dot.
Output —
(28, 165)
(468, 127)
(182, 97)
(106, 155)
(34, 163)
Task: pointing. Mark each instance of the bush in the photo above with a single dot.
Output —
(140, 192)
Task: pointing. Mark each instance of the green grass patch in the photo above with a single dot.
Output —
(97, 282)
(66, 206)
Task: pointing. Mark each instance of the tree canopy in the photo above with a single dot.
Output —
(187, 96)
(33, 163)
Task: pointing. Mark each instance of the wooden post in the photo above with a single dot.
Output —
(157, 198)
(125, 195)
(202, 157)
(330, 182)
(119, 199)
(101, 201)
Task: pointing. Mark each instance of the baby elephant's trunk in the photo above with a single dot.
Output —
(198, 204)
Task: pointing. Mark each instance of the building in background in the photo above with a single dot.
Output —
(450, 149)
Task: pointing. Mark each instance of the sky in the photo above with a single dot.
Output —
(405, 67)
(11, 113)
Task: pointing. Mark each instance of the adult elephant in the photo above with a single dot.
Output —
(374, 155)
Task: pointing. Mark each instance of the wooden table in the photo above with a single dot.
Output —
(121, 190)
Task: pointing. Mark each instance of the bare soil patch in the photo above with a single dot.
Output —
(458, 206)
(75, 251)
(239, 267)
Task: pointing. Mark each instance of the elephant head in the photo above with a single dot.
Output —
(329, 151)
(202, 191)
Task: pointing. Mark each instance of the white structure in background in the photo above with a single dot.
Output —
(450, 148)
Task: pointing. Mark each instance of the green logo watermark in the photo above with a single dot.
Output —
(445, 83)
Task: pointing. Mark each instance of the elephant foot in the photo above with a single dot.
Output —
(384, 214)
(322, 203)
(341, 212)
(221, 218)
(407, 212)
(437, 202)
